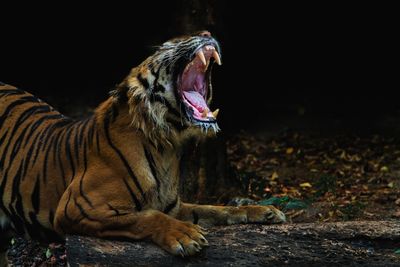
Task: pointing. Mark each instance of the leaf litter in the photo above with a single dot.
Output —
(330, 178)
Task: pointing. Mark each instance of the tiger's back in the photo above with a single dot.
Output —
(33, 172)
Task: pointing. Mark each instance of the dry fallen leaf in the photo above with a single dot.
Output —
(289, 150)
(384, 169)
(305, 185)
(274, 176)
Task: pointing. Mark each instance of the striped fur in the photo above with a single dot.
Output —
(114, 174)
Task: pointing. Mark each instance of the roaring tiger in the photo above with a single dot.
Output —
(115, 174)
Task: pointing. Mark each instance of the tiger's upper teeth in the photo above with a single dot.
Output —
(216, 57)
(200, 54)
(209, 47)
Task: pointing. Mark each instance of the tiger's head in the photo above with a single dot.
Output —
(170, 92)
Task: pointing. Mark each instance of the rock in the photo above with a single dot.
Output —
(355, 243)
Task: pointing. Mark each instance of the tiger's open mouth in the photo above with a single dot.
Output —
(194, 85)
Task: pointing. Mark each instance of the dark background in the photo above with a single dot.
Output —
(296, 62)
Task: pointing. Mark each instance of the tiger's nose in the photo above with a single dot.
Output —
(205, 34)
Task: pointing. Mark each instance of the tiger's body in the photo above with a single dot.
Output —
(116, 173)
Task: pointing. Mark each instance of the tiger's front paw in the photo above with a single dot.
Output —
(264, 214)
(181, 238)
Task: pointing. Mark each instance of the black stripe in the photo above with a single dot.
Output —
(133, 196)
(7, 92)
(97, 141)
(42, 109)
(143, 81)
(29, 112)
(17, 143)
(16, 182)
(27, 158)
(3, 137)
(164, 101)
(46, 159)
(75, 142)
(10, 107)
(40, 143)
(83, 212)
(17, 125)
(117, 212)
(19, 214)
(158, 148)
(66, 207)
(82, 128)
(81, 181)
(121, 93)
(90, 134)
(113, 112)
(137, 99)
(152, 165)
(55, 147)
(46, 133)
(168, 68)
(38, 122)
(60, 162)
(35, 197)
(157, 87)
(16, 149)
(171, 206)
(31, 149)
(122, 158)
(68, 151)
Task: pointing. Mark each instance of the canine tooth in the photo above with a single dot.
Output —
(217, 58)
(215, 113)
(200, 54)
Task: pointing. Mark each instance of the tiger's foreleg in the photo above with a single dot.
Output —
(177, 237)
(208, 215)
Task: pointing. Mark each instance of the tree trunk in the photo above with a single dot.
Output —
(203, 164)
(205, 173)
(356, 243)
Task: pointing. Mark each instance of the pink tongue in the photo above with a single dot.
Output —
(196, 100)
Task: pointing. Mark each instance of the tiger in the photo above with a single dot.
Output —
(115, 174)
